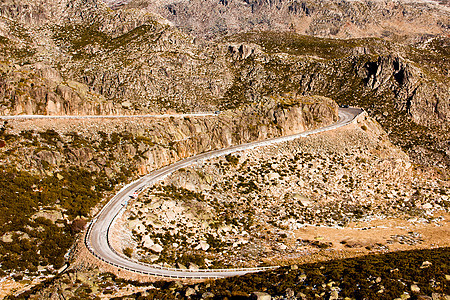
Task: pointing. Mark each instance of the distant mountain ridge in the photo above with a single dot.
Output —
(330, 18)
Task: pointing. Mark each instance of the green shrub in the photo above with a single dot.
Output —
(128, 252)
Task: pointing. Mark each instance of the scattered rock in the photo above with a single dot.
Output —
(147, 242)
(181, 266)
(424, 297)
(189, 292)
(127, 104)
(301, 296)
(7, 237)
(52, 215)
(154, 257)
(436, 296)
(405, 296)
(334, 295)
(273, 176)
(289, 293)
(427, 206)
(156, 248)
(204, 245)
(425, 264)
(260, 296)
(207, 295)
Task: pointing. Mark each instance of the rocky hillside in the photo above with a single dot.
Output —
(337, 19)
(154, 142)
(126, 57)
(404, 87)
(54, 173)
(348, 178)
(58, 58)
(286, 203)
(78, 57)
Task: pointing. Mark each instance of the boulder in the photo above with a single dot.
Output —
(302, 277)
(147, 242)
(204, 245)
(415, 288)
(127, 104)
(7, 237)
(207, 295)
(156, 248)
(260, 296)
(289, 293)
(334, 295)
(189, 292)
(181, 266)
(52, 215)
(427, 206)
(405, 296)
(273, 175)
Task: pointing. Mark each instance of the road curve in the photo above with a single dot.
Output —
(97, 236)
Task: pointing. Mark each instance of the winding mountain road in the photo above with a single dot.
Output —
(98, 235)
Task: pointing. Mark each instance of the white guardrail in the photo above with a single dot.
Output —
(180, 164)
(35, 117)
(88, 244)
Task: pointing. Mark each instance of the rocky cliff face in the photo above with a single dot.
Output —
(153, 143)
(426, 101)
(40, 89)
(409, 96)
(130, 58)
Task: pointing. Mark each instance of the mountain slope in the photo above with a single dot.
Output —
(84, 58)
(339, 19)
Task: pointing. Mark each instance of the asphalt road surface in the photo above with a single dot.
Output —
(97, 237)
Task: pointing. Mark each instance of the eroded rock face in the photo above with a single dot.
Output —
(426, 101)
(40, 90)
(131, 61)
(40, 12)
(152, 143)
